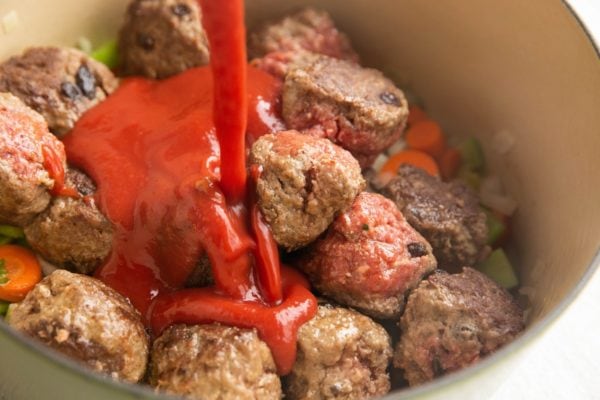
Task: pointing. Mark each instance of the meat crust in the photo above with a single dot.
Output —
(87, 321)
(211, 362)
(452, 321)
(342, 354)
(370, 258)
(305, 183)
(161, 38)
(59, 83)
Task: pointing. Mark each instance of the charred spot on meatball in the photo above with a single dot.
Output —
(342, 101)
(452, 321)
(213, 362)
(161, 38)
(364, 259)
(87, 321)
(305, 182)
(446, 214)
(59, 83)
(342, 354)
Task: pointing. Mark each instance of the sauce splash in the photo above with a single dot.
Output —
(160, 162)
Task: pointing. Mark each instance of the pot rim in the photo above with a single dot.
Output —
(435, 386)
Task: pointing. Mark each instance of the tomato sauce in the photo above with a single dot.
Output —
(168, 158)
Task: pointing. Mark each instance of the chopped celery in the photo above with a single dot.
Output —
(470, 177)
(3, 307)
(5, 240)
(107, 54)
(12, 232)
(498, 268)
(496, 227)
(472, 155)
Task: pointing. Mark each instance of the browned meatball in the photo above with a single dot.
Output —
(341, 355)
(305, 182)
(59, 83)
(451, 321)
(214, 362)
(446, 214)
(72, 233)
(356, 108)
(161, 38)
(307, 31)
(24, 181)
(86, 320)
(370, 258)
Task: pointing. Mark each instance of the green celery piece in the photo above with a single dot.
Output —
(496, 227)
(3, 272)
(5, 240)
(12, 232)
(3, 307)
(499, 269)
(469, 177)
(107, 54)
(472, 155)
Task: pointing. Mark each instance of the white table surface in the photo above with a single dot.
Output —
(565, 362)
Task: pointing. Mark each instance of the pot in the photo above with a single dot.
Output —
(523, 70)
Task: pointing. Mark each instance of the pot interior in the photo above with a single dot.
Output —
(484, 69)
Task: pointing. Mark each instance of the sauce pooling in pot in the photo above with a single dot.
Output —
(171, 184)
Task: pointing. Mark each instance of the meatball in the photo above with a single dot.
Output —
(446, 214)
(305, 182)
(24, 181)
(59, 83)
(356, 108)
(309, 29)
(451, 321)
(161, 38)
(214, 362)
(86, 320)
(342, 354)
(370, 258)
(72, 233)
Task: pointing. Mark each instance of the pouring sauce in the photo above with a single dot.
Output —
(168, 158)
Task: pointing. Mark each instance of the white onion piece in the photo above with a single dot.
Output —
(396, 147)
(379, 162)
(503, 141)
(10, 21)
(491, 184)
(504, 204)
(84, 44)
(47, 268)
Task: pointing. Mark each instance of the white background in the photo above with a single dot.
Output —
(565, 362)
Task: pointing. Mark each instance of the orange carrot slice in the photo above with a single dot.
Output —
(19, 272)
(415, 114)
(426, 136)
(450, 163)
(413, 157)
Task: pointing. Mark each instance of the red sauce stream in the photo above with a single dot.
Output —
(159, 164)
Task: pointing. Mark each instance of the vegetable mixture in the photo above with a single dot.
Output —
(357, 237)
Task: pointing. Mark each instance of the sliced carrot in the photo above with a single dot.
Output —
(19, 272)
(413, 157)
(426, 136)
(450, 163)
(415, 114)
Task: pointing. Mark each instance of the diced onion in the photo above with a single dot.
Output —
(47, 268)
(504, 204)
(491, 184)
(379, 162)
(396, 147)
(10, 21)
(84, 44)
(503, 141)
